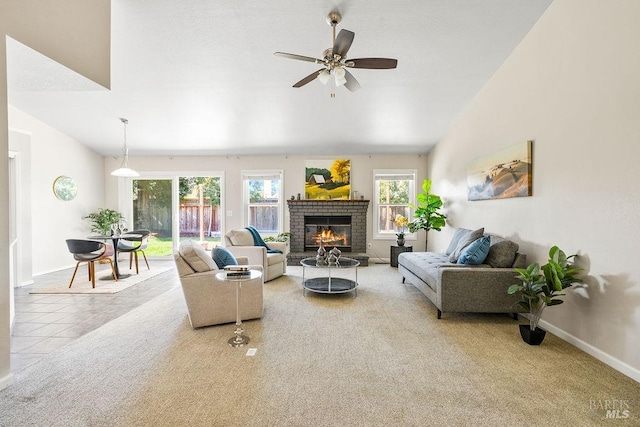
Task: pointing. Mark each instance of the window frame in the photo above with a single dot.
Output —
(411, 174)
(264, 174)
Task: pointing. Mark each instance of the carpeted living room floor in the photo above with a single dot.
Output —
(381, 358)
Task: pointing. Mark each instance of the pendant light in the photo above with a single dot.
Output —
(124, 169)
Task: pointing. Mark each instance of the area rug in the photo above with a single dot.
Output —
(83, 286)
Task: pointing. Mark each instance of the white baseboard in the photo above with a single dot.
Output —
(55, 270)
(6, 381)
(606, 358)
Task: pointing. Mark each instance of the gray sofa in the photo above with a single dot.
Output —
(454, 287)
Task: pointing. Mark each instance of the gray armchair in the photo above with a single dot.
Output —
(210, 301)
(240, 243)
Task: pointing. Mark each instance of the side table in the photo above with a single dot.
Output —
(238, 340)
(397, 250)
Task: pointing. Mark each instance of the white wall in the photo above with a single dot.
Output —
(77, 33)
(20, 145)
(293, 166)
(53, 220)
(573, 87)
(5, 293)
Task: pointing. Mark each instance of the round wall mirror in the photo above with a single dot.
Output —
(65, 188)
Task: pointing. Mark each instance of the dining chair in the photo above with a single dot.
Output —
(90, 251)
(133, 242)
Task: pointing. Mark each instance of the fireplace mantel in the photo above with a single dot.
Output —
(357, 209)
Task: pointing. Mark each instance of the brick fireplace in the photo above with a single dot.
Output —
(350, 215)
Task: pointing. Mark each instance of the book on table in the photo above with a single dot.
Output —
(236, 268)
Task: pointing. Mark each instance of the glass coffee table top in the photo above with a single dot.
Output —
(328, 284)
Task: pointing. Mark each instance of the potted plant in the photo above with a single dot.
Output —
(426, 216)
(101, 221)
(542, 287)
(281, 237)
(401, 222)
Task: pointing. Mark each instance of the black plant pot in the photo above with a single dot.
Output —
(534, 337)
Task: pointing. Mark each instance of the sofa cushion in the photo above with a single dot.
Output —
(424, 265)
(196, 256)
(464, 242)
(222, 257)
(502, 252)
(476, 252)
(459, 234)
(240, 238)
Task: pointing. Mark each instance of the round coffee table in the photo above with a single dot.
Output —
(328, 284)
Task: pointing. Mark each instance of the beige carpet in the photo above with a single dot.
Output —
(82, 285)
(381, 359)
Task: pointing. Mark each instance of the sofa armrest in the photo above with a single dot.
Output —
(281, 246)
(477, 289)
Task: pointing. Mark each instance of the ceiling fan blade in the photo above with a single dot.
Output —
(343, 43)
(311, 77)
(351, 84)
(373, 63)
(298, 57)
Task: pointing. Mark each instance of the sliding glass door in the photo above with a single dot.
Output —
(199, 210)
(177, 208)
(152, 210)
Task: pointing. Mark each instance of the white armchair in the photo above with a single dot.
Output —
(240, 243)
(210, 301)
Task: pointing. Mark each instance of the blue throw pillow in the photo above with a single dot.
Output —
(223, 257)
(476, 252)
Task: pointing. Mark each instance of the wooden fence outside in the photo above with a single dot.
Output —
(190, 220)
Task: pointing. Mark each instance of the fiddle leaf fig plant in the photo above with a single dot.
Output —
(101, 221)
(426, 216)
(542, 287)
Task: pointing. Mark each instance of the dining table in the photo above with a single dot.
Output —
(115, 238)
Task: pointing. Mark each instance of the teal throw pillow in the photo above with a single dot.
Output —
(223, 257)
(476, 252)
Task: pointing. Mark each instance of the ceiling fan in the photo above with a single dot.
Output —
(334, 60)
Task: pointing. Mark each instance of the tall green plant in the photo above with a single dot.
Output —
(426, 216)
(101, 221)
(542, 287)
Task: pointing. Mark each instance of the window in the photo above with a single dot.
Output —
(393, 191)
(262, 198)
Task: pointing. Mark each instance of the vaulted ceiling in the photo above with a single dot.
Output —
(196, 77)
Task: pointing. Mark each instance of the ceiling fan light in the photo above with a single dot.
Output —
(339, 73)
(324, 76)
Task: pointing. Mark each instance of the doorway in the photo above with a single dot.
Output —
(177, 208)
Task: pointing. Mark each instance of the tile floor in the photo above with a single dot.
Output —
(45, 322)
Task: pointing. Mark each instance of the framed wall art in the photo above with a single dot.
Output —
(503, 174)
(327, 179)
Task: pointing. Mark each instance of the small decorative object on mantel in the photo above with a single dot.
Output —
(401, 222)
(541, 287)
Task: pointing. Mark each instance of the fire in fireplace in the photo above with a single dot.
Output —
(331, 230)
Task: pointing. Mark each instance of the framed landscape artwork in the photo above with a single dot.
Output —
(503, 174)
(327, 179)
